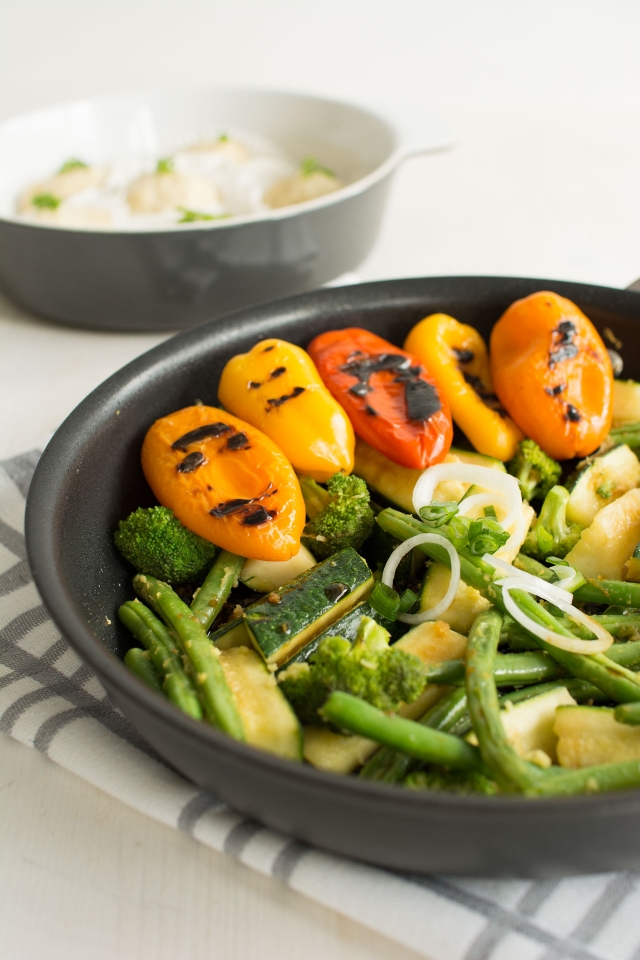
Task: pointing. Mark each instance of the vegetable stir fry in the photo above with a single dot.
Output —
(328, 579)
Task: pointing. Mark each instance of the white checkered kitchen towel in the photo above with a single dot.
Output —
(50, 701)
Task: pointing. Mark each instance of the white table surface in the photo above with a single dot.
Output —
(545, 100)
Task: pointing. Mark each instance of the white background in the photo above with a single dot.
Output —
(544, 99)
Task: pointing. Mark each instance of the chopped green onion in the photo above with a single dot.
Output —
(165, 165)
(46, 201)
(385, 601)
(490, 511)
(310, 165)
(407, 601)
(73, 164)
(438, 513)
(223, 138)
(459, 532)
(557, 561)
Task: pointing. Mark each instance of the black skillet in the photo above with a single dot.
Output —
(89, 477)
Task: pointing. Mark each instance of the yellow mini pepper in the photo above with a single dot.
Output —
(456, 355)
(276, 388)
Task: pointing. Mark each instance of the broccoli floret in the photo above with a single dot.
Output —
(462, 782)
(552, 534)
(154, 541)
(339, 516)
(370, 669)
(536, 471)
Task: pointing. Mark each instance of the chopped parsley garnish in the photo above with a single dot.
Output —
(223, 138)
(191, 216)
(165, 165)
(46, 201)
(73, 164)
(310, 165)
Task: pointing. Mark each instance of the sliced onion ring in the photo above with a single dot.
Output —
(548, 591)
(572, 644)
(391, 566)
(502, 483)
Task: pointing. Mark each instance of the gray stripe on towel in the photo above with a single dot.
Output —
(239, 836)
(13, 541)
(511, 921)
(288, 859)
(21, 469)
(196, 808)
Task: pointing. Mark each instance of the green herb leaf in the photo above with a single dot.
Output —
(46, 201)
(223, 138)
(310, 165)
(490, 511)
(73, 164)
(459, 532)
(165, 165)
(192, 216)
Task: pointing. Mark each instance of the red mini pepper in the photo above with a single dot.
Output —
(392, 401)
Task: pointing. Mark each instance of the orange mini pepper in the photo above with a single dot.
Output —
(552, 373)
(457, 356)
(226, 481)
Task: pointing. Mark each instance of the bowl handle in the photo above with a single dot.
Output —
(425, 133)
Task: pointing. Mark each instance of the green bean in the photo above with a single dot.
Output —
(207, 673)
(389, 766)
(154, 637)
(139, 663)
(357, 716)
(504, 764)
(628, 713)
(217, 586)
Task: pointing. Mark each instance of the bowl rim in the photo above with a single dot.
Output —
(399, 153)
(66, 613)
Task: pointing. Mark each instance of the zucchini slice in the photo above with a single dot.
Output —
(604, 480)
(529, 725)
(307, 606)
(263, 576)
(478, 459)
(591, 735)
(626, 402)
(604, 547)
(234, 633)
(347, 627)
(269, 722)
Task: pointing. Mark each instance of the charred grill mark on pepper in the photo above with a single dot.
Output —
(360, 389)
(258, 517)
(267, 349)
(239, 441)
(205, 432)
(564, 348)
(421, 397)
(573, 414)
(239, 505)
(464, 356)
(191, 462)
(488, 398)
(278, 401)
(277, 373)
(254, 384)
(554, 391)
